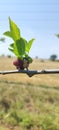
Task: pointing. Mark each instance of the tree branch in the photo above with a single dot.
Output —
(30, 73)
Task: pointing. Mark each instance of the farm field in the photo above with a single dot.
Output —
(29, 103)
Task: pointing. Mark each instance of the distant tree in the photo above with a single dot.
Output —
(57, 35)
(2, 39)
(53, 57)
(36, 57)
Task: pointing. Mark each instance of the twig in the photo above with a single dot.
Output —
(30, 73)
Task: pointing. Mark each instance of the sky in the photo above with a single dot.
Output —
(37, 19)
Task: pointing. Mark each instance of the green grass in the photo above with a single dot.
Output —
(28, 107)
(2, 128)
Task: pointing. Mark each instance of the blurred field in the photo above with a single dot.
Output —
(51, 79)
(29, 103)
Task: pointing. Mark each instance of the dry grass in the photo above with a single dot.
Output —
(34, 100)
(51, 80)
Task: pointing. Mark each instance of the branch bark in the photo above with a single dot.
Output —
(30, 73)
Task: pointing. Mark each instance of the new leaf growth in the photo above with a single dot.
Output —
(20, 46)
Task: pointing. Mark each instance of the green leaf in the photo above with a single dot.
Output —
(29, 44)
(8, 34)
(29, 58)
(14, 32)
(12, 45)
(19, 47)
(11, 48)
